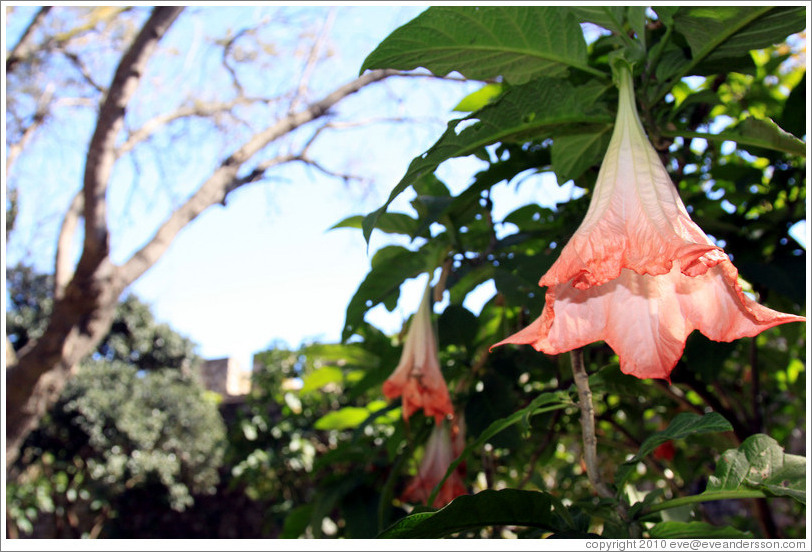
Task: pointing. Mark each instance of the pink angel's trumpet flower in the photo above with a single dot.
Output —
(417, 376)
(639, 274)
(437, 458)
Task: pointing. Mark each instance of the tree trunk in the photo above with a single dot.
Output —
(78, 323)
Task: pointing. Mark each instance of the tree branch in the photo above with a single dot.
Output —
(224, 180)
(84, 71)
(17, 53)
(101, 151)
(198, 109)
(63, 265)
(312, 58)
(40, 114)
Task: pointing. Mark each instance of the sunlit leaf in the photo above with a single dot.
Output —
(479, 99)
(481, 43)
(761, 464)
(321, 377)
(345, 418)
(764, 133)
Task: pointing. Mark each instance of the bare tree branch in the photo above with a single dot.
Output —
(41, 113)
(84, 71)
(312, 58)
(101, 152)
(198, 109)
(226, 51)
(224, 180)
(63, 265)
(18, 53)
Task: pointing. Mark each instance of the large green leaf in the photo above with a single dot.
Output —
(482, 43)
(726, 34)
(486, 508)
(573, 153)
(720, 38)
(758, 468)
(754, 132)
(764, 133)
(608, 17)
(533, 110)
(761, 464)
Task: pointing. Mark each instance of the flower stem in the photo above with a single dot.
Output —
(591, 441)
(588, 424)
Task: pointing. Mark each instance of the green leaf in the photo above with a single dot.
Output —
(681, 426)
(752, 131)
(391, 223)
(723, 35)
(484, 509)
(457, 326)
(764, 133)
(574, 153)
(758, 468)
(720, 38)
(479, 99)
(321, 377)
(533, 110)
(696, 530)
(344, 418)
(482, 43)
(352, 355)
(608, 17)
(391, 266)
(761, 464)
(296, 522)
(793, 116)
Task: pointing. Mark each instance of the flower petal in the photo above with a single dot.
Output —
(646, 319)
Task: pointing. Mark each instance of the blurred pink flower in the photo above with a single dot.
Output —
(417, 376)
(639, 274)
(439, 454)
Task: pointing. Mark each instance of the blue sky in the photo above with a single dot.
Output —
(265, 268)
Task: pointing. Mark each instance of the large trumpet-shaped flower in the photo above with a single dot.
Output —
(439, 453)
(639, 274)
(417, 376)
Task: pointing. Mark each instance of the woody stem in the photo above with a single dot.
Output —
(588, 423)
(590, 441)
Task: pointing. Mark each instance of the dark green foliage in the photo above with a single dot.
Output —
(30, 303)
(134, 419)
